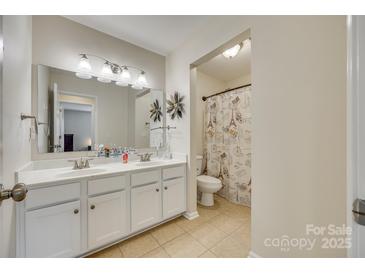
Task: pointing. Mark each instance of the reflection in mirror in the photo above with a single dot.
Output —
(78, 115)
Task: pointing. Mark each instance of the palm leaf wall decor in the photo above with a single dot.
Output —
(155, 111)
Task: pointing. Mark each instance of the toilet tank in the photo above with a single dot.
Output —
(199, 164)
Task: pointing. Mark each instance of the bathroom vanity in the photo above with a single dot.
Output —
(72, 213)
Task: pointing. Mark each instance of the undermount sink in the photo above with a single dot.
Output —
(151, 163)
(81, 172)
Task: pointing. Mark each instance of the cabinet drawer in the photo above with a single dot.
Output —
(143, 178)
(104, 185)
(52, 195)
(173, 172)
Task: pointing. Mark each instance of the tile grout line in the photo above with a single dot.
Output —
(184, 232)
(220, 212)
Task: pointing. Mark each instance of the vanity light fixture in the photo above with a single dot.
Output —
(124, 77)
(142, 81)
(84, 68)
(110, 71)
(106, 73)
(232, 52)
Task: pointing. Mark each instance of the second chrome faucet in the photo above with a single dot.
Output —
(81, 164)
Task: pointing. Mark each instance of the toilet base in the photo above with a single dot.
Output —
(207, 199)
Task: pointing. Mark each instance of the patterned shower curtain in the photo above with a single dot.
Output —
(227, 143)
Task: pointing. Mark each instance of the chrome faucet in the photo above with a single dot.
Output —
(81, 164)
(145, 157)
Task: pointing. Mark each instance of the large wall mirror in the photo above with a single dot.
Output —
(75, 114)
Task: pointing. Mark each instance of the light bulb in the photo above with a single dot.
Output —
(84, 68)
(232, 52)
(142, 81)
(124, 77)
(106, 73)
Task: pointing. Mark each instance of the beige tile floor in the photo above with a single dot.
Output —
(222, 231)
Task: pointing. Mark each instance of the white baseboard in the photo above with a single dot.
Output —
(191, 215)
(252, 254)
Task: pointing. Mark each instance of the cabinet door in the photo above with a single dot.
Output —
(146, 206)
(53, 231)
(107, 218)
(174, 199)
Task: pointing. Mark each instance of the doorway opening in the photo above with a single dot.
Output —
(75, 122)
(220, 146)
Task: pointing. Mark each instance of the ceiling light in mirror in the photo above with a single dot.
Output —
(106, 73)
(232, 52)
(84, 68)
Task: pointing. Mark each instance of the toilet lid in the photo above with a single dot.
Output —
(208, 179)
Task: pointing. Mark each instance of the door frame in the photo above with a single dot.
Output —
(192, 153)
(2, 251)
(352, 127)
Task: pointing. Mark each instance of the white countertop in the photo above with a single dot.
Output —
(50, 176)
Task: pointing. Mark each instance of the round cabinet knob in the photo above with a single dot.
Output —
(92, 206)
(76, 211)
(165, 187)
(19, 192)
(157, 190)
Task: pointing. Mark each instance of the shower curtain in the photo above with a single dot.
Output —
(227, 143)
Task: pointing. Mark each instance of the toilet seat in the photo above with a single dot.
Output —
(205, 180)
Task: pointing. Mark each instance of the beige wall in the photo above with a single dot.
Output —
(240, 81)
(299, 87)
(16, 99)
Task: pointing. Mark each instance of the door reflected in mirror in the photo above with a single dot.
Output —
(79, 115)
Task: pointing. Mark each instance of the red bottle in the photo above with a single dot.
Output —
(125, 158)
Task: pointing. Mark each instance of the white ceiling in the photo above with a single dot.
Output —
(157, 33)
(229, 69)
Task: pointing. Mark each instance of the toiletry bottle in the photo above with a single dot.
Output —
(107, 151)
(125, 157)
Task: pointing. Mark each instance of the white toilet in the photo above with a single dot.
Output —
(207, 185)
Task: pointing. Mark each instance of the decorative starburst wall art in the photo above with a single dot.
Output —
(175, 106)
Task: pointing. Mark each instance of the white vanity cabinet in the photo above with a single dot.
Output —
(146, 199)
(72, 219)
(51, 222)
(53, 231)
(107, 210)
(174, 198)
(107, 218)
(174, 191)
(146, 206)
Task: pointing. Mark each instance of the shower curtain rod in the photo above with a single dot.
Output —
(204, 98)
